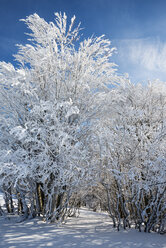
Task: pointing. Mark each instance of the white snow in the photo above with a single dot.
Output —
(89, 230)
(1, 199)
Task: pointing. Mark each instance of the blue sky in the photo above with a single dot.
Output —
(136, 27)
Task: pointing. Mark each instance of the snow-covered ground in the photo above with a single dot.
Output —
(88, 230)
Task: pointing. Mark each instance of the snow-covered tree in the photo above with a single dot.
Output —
(49, 104)
(132, 153)
(72, 132)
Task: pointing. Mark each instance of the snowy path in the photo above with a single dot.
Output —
(88, 230)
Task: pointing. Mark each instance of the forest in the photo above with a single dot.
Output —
(73, 132)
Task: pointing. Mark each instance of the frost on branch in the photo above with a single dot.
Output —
(68, 139)
(48, 107)
(131, 149)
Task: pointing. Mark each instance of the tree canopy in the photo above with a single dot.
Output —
(72, 129)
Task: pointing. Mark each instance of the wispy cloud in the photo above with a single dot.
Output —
(149, 53)
(145, 56)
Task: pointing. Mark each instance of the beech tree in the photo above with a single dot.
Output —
(73, 132)
(49, 104)
(132, 153)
